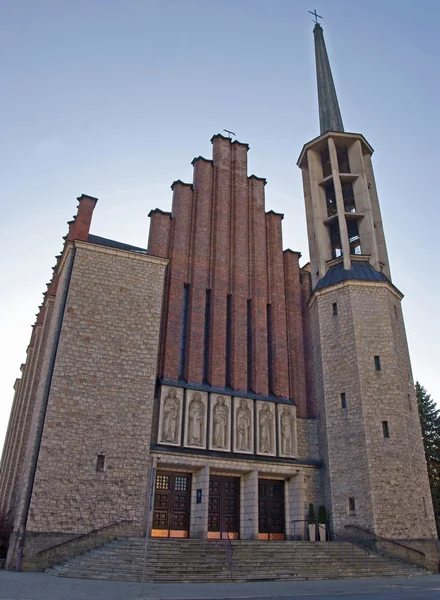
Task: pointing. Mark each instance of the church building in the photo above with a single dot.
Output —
(209, 386)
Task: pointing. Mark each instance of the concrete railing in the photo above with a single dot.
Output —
(78, 545)
(386, 546)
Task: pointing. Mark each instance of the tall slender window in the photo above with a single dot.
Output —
(348, 196)
(325, 161)
(207, 337)
(269, 349)
(353, 237)
(183, 332)
(249, 346)
(228, 366)
(330, 198)
(335, 240)
(343, 162)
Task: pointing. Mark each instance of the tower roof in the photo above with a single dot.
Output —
(329, 114)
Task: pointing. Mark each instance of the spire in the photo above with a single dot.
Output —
(329, 114)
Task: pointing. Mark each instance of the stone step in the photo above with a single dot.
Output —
(205, 561)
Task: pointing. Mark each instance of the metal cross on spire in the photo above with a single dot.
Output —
(315, 14)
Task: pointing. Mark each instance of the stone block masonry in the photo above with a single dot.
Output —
(375, 474)
(101, 396)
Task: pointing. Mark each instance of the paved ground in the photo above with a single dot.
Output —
(40, 586)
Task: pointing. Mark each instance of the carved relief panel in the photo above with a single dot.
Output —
(243, 425)
(287, 441)
(220, 423)
(170, 416)
(266, 428)
(196, 411)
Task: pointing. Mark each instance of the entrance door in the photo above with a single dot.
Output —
(171, 505)
(270, 509)
(223, 507)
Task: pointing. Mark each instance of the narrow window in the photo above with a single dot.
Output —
(343, 400)
(330, 198)
(395, 311)
(207, 337)
(249, 346)
(335, 240)
(409, 402)
(385, 429)
(343, 162)
(269, 349)
(353, 237)
(351, 506)
(335, 309)
(183, 332)
(325, 162)
(228, 366)
(100, 463)
(377, 365)
(348, 196)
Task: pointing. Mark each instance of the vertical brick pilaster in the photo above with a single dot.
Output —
(220, 255)
(295, 332)
(277, 300)
(179, 250)
(8, 450)
(306, 292)
(258, 266)
(199, 265)
(159, 234)
(239, 265)
(80, 226)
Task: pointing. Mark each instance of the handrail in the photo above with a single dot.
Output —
(419, 557)
(84, 535)
(384, 539)
(366, 557)
(350, 541)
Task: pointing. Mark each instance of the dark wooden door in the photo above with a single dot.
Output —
(271, 507)
(224, 506)
(171, 505)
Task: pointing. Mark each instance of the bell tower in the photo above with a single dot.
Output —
(374, 470)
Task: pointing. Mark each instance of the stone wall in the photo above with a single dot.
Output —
(386, 477)
(101, 395)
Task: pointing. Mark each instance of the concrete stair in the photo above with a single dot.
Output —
(184, 561)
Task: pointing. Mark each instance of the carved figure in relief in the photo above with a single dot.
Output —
(287, 431)
(196, 414)
(220, 419)
(266, 429)
(170, 421)
(244, 422)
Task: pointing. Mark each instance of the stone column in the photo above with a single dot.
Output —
(339, 204)
(198, 527)
(294, 492)
(249, 506)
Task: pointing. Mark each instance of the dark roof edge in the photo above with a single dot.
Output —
(179, 181)
(196, 158)
(277, 214)
(160, 211)
(100, 241)
(258, 178)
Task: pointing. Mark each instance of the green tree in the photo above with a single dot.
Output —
(430, 422)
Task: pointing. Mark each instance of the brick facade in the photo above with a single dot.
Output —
(214, 353)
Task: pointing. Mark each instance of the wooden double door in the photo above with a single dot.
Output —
(171, 505)
(270, 509)
(224, 507)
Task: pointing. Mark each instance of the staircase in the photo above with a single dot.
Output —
(184, 561)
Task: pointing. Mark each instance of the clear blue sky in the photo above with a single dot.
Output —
(114, 98)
